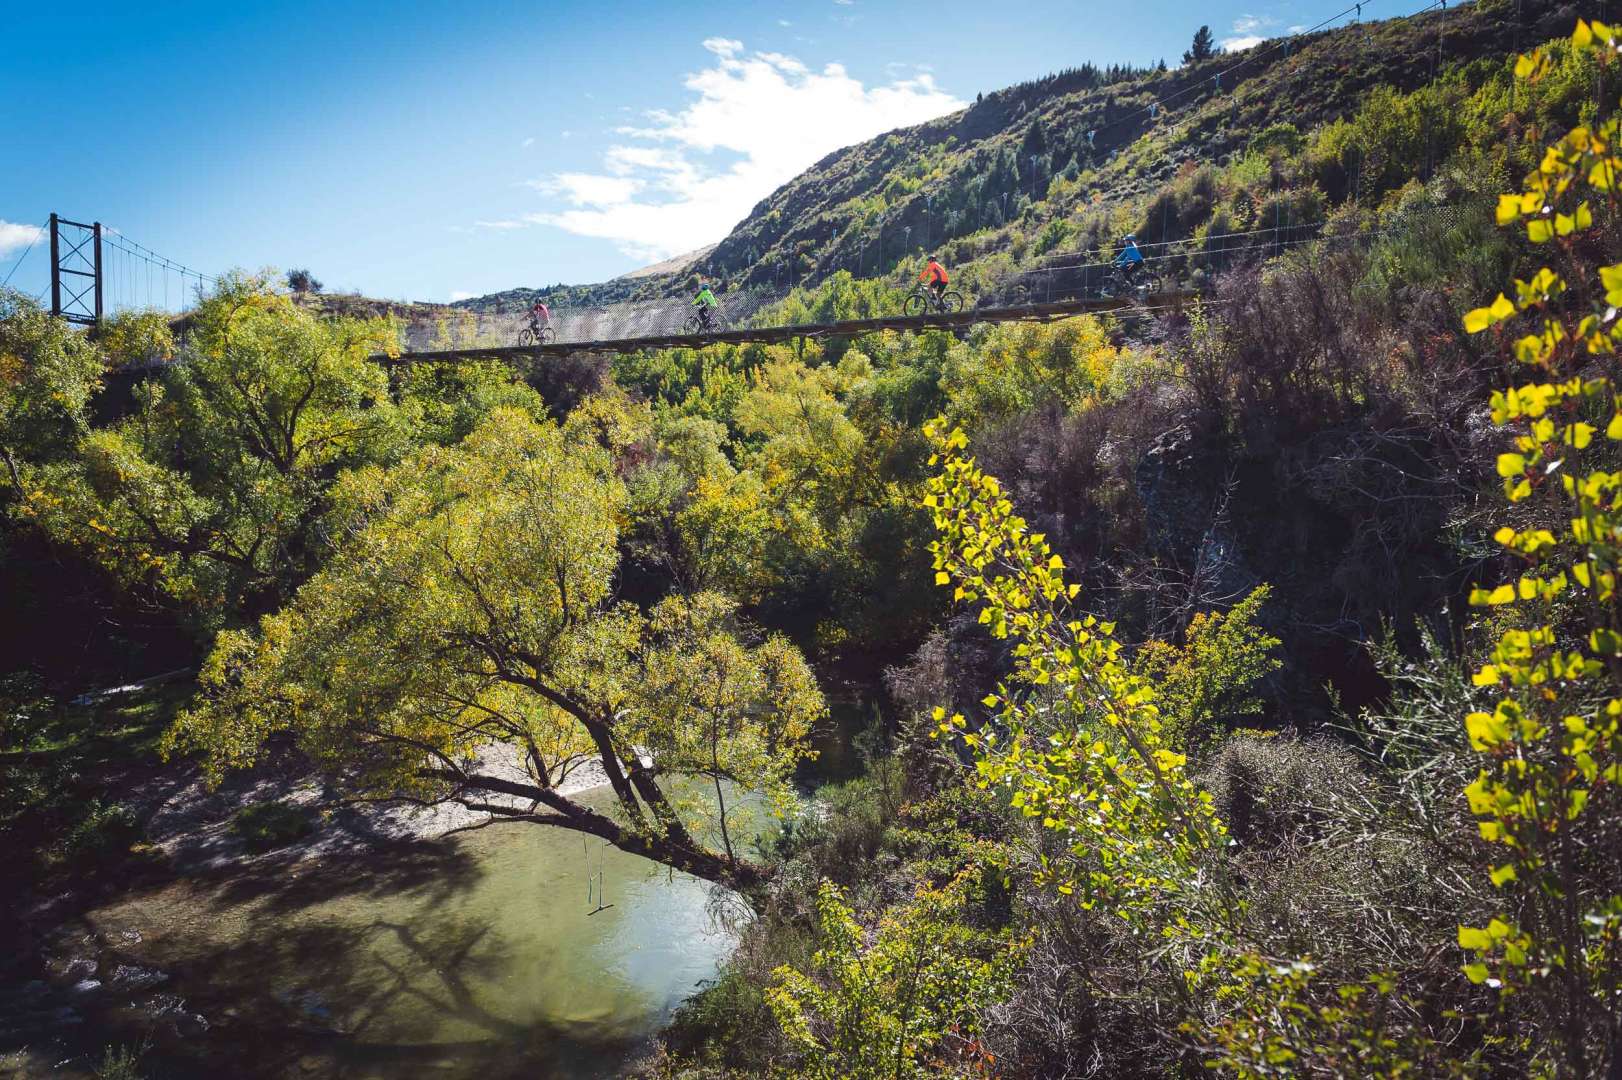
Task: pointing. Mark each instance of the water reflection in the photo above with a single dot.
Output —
(490, 955)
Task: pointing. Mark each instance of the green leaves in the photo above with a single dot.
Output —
(1084, 751)
(468, 611)
(899, 1002)
(1553, 731)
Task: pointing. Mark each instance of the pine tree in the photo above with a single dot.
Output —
(1203, 47)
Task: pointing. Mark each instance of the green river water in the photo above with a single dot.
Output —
(480, 955)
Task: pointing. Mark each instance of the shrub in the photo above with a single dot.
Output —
(104, 831)
(271, 824)
(302, 281)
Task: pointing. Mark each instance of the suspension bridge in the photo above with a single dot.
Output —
(768, 335)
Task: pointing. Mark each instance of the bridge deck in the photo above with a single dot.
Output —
(1058, 309)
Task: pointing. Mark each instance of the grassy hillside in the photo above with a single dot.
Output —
(1013, 182)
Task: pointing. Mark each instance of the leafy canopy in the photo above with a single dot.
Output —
(468, 610)
(901, 1002)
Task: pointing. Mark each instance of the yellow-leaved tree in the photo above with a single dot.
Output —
(469, 607)
(1549, 793)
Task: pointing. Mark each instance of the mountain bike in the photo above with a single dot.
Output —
(1119, 284)
(922, 300)
(705, 321)
(536, 334)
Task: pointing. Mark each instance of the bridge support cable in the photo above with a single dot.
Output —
(39, 231)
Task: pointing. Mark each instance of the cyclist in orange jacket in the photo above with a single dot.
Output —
(935, 275)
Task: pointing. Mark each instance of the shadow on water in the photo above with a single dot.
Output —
(488, 955)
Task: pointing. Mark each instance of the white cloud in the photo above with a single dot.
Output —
(461, 294)
(527, 143)
(1245, 34)
(784, 22)
(725, 48)
(683, 178)
(589, 189)
(14, 237)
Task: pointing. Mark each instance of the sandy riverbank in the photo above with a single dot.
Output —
(192, 825)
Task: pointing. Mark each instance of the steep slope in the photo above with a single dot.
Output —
(1024, 152)
(988, 180)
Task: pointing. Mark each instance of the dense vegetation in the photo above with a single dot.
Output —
(1237, 689)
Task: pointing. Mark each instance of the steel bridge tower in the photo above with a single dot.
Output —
(76, 257)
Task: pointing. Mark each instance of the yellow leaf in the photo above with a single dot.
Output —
(1485, 730)
(1539, 231)
(1504, 594)
(1481, 318)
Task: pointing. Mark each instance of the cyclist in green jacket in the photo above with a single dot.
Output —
(706, 302)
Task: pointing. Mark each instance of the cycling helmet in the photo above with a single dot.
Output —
(1129, 239)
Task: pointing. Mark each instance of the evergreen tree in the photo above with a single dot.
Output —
(1203, 47)
(1035, 143)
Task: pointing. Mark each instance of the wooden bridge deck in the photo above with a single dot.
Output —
(1058, 309)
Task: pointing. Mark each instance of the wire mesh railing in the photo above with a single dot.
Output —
(1175, 266)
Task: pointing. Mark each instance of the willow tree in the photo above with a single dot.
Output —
(211, 490)
(469, 607)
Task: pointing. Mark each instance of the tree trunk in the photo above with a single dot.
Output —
(673, 849)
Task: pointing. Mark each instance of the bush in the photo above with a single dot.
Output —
(1273, 791)
(106, 830)
(302, 281)
(266, 825)
(845, 832)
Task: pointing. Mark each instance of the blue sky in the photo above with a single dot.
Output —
(428, 151)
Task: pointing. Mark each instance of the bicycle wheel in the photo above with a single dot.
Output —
(526, 336)
(693, 325)
(916, 304)
(1153, 284)
(548, 336)
(952, 301)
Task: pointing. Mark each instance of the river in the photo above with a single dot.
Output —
(488, 954)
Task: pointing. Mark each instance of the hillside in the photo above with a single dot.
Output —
(1014, 181)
